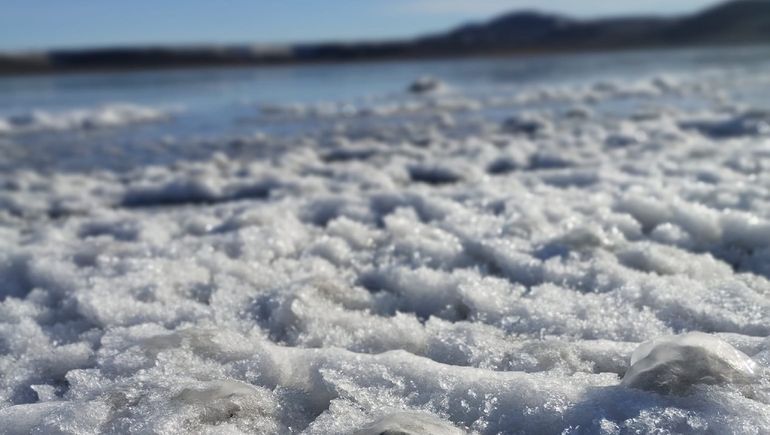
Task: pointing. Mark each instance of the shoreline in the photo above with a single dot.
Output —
(31, 69)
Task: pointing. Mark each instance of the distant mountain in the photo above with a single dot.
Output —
(520, 29)
(738, 21)
(742, 21)
(734, 22)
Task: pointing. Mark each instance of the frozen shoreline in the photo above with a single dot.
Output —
(417, 261)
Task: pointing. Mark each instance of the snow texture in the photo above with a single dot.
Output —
(458, 272)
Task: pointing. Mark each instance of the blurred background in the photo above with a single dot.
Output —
(114, 85)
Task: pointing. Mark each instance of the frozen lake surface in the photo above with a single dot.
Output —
(565, 244)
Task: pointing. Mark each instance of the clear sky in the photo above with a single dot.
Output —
(38, 24)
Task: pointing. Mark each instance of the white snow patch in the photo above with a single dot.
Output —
(110, 115)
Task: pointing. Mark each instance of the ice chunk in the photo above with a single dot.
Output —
(673, 364)
(527, 124)
(750, 123)
(433, 174)
(424, 85)
(409, 423)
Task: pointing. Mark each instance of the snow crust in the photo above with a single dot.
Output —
(457, 271)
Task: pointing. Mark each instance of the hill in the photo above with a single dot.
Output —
(734, 22)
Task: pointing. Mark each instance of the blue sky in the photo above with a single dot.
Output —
(37, 24)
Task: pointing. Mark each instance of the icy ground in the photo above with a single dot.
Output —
(439, 264)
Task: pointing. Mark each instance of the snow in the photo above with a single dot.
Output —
(111, 115)
(671, 364)
(409, 423)
(433, 269)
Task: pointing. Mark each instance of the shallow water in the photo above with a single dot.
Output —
(314, 249)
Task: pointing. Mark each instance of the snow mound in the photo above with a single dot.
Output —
(675, 363)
